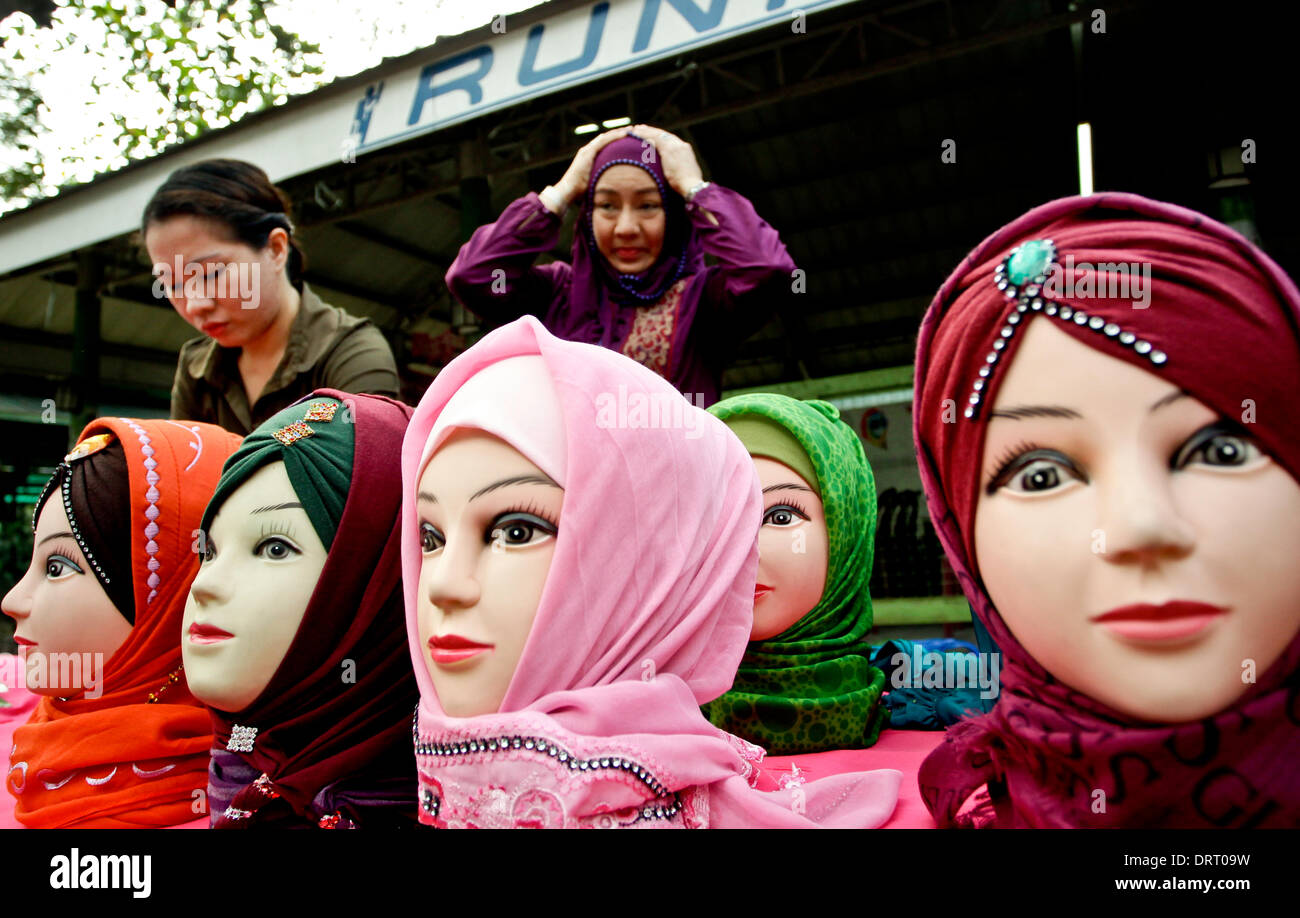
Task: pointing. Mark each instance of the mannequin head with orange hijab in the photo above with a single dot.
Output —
(117, 741)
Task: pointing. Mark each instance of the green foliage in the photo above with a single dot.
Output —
(185, 68)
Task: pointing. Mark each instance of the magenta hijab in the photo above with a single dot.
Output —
(644, 616)
(1223, 324)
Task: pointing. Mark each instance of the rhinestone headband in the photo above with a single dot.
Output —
(63, 478)
(1021, 277)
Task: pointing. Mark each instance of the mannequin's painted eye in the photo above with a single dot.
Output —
(519, 528)
(784, 515)
(1033, 470)
(430, 539)
(276, 549)
(1039, 476)
(1217, 446)
(57, 567)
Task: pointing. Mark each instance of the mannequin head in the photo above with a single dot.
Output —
(806, 685)
(488, 521)
(1117, 487)
(792, 549)
(259, 571)
(1137, 494)
(59, 607)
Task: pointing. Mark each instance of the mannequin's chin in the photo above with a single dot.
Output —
(221, 697)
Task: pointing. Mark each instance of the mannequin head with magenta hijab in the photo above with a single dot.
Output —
(1102, 423)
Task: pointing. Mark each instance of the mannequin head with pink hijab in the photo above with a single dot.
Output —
(575, 591)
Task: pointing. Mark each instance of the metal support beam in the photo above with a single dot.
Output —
(85, 343)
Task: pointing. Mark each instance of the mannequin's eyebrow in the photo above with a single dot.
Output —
(1171, 397)
(791, 486)
(518, 479)
(54, 535)
(1019, 412)
(430, 498)
(293, 505)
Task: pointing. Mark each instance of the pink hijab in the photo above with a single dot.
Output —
(644, 616)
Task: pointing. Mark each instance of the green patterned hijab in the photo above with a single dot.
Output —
(316, 449)
(812, 687)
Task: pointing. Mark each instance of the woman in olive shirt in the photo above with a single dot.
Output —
(219, 235)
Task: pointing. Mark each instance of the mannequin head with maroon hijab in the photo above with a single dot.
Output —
(1105, 437)
(293, 630)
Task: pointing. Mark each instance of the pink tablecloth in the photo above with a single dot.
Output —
(19, 704)
(901, 749)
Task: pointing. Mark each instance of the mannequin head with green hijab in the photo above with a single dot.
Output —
(806, 683)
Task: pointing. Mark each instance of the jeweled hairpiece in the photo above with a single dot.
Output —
(62, 479)
(292, 433)
(321, 411)
(89, 446)
(1021, 277)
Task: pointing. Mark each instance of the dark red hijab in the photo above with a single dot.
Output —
(1223, 323)
(333, 726)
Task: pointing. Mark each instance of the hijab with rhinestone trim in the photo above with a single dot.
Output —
(92, 483)
(1223, 324)
(645, 614)
(813, 687)
(135, 756)
(316, 747)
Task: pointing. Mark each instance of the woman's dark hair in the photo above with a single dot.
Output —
(235, 193)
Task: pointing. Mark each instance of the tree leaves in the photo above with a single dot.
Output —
(168, 73)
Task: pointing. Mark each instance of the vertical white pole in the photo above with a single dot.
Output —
(1085, 158)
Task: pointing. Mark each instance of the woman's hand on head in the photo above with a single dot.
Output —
(675, 156)
(576, 177)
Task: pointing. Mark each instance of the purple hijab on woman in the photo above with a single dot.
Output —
(681, 318)
(594, 279)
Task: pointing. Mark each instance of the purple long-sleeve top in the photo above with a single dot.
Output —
(721, 306)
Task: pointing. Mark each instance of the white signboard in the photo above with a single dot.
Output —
(573, 47)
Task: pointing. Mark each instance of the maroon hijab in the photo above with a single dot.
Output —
(334, 723)
(1223, 323)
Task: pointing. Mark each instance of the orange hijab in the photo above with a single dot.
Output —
(134, 756)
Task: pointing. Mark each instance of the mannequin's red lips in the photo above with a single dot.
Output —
(212, 329)
(23, 641)
(452, 648)
(761, 590)
(1172, 621)
(208, 634)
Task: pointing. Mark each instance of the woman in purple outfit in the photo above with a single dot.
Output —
(638, 283)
